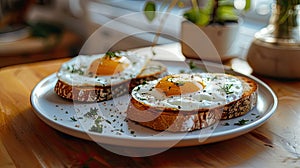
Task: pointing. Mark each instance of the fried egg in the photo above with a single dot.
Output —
(190, 91)
(103, 69)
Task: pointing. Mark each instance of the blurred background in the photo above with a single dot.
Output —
(34, 30)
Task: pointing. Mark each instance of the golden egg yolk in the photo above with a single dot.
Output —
(170, 87)
(106, 65)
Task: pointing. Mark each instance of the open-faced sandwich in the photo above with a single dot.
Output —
(186, 102)
(102, 77)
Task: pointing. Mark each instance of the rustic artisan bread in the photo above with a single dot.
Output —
(178, 120)
(151, 71)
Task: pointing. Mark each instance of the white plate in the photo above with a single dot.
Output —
(71, 118)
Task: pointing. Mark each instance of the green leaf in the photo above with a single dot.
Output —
(203, 20)
(197, 16)
(191, 15)
(248, 5)
(226, 13)
(226, 3)
(208, 8)
(149, 10)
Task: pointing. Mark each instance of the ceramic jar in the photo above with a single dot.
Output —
(211, 42)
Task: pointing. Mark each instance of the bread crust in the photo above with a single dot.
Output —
(172, 120)
(103, 93)
(178, 121)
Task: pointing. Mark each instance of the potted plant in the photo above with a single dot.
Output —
(210, 27)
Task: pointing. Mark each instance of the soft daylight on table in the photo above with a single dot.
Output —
(166, 83)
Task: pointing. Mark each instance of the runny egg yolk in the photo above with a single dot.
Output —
(107, 65)
(174, 86)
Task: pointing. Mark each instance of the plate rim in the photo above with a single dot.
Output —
(155, 141)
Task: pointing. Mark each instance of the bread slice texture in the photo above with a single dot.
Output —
(152, 71)
(175, 120)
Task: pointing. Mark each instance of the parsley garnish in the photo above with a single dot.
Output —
(215, 77)
(226, 124)
(99, 120)
(112, 54)
(192, 65)
(177, 83)
(241, 122)
(75, 70)
(97, 128)
(142, 99)
(138, 88)
(226, 88)
(73, 118)
(92, 112)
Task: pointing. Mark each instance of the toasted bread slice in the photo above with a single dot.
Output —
(180, 120)
(152, 71)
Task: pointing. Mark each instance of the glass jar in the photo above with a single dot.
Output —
(275, 50)
(283, 28)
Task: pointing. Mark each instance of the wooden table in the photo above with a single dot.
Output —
(26, 141)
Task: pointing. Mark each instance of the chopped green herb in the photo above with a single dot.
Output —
(241, 122)
(226, 88)
(142, 99)
(98, 120)
(73, 69)
(177, 83)
(214, 78)
(192, 65)
(97, 128)
(138, 88)
(226, 124)
(73, 118)
(92, 112)
(111, 54)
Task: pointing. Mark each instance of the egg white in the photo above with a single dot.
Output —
(75, 72)
(212, 95)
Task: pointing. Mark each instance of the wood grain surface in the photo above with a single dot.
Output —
(26, 141)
